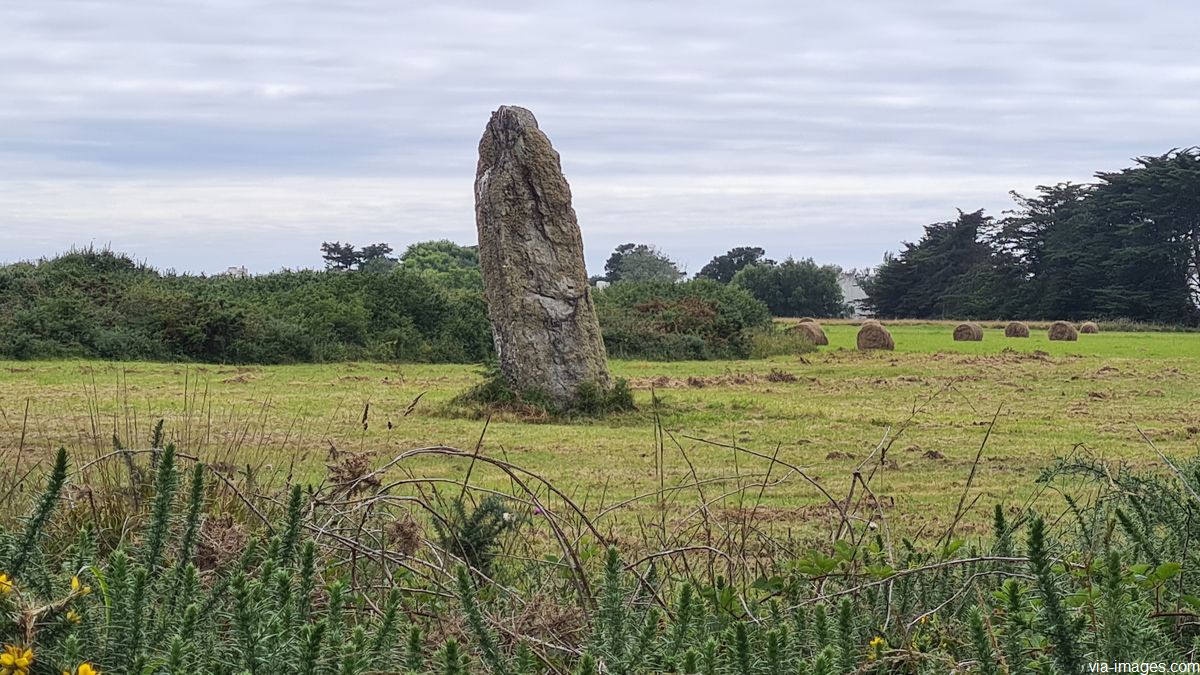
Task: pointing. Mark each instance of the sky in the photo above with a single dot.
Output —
(202, 134)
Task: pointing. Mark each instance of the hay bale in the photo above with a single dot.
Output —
(1016, 329)
(812, 332)
(968, 332)
(807, 319)
(1089, 327)
(873, 335)
(1061, 330)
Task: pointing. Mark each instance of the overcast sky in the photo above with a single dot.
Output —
(201, 134)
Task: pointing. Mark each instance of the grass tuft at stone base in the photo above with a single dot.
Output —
(494, 395)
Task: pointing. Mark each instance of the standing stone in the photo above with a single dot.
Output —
(531, 255)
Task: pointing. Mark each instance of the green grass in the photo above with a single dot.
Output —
(1090, 396)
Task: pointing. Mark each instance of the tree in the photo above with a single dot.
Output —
(722, 268)
(1040, 239)
(453, 265)
(640, 262)
(1149, 218)
(339, 256)
(949, 273)
(794, 287)
(1127, 246)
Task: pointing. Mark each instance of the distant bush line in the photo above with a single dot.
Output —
(102, 304)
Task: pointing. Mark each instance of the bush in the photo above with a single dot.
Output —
(794, 288)
(101, 304)
(494, 394)
(694, 320)
(302, 588)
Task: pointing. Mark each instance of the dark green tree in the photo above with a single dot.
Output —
(375, 258)
(795, 287)
(339, 256)
(1150, 215)
(950, 273)
(722, 268)
(639, 263)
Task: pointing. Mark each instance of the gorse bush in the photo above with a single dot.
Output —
(102, 304)
(1113, 581)
(699, 319)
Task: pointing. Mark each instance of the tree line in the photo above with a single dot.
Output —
(788, 288)
(423, 305)
(1126, 246)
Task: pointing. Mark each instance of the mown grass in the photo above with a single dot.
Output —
(1095, 396)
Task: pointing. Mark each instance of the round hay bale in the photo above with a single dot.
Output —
(1061, 330)
(812, 332)
(968, 332)
(807, 319)
(1016, 329)
(1089, 327)
(873, 335)
(870, 322)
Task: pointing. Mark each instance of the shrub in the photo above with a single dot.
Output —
(494, 394)
(101, 304)
(694, 320)
(308, 591)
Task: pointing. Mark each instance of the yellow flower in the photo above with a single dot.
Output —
(73, 616)
(83, 669)
(6, 584)
(15, 660)
(877, 644)
(78, 587)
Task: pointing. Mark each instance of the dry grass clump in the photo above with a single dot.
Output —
(1016, 329)
(777, 375)
(812, 331)
(873, 335)
(1063, 331)
(1089, 327)
(969, 332)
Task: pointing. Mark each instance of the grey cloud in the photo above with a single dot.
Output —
(830, 130)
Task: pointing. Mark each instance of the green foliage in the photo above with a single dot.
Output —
(699, 319)
(1061, 627)
(101, 304)
(494, 394)
(835, 609)
(344, 257)
(722, 268)
(1122, 248)
(445, 263)
(795, 288)
(944, 275)
(640, 263)
(475, 537)
(35, 526)
(769, 341)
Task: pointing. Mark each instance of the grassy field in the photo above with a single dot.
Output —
(933, 401)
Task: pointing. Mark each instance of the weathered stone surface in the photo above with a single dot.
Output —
(531, 256)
